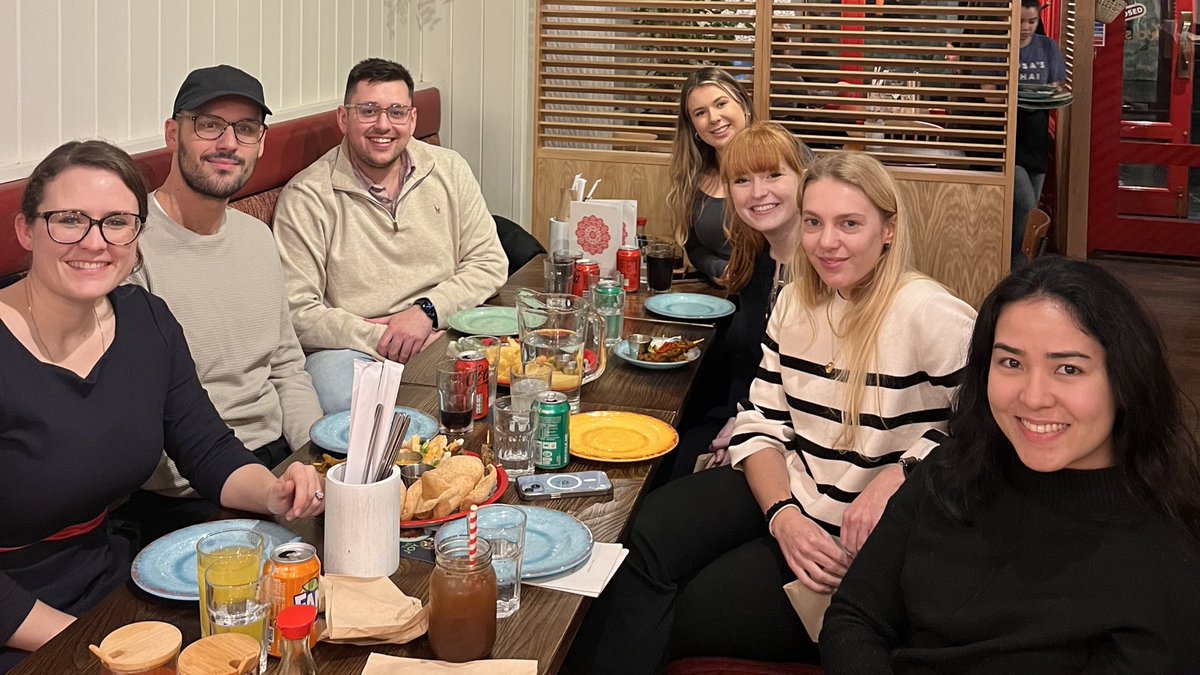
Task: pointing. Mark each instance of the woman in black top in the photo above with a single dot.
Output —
(97, 381)
(1059, 529)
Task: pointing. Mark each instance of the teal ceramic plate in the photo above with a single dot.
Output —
(332, 432)
(554, 541)
(167, 567)
(497, 321)
(626, 353)
(689, 306)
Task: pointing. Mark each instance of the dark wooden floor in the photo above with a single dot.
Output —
(1171, 290)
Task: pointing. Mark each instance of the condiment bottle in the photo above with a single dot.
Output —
(462, 601)
(295, 625)
(144, 648)
(224, 654)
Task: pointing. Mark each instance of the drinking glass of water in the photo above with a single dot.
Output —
(526, 381)
(608, 297)
(511, 434)
(237, 605)
(503, 527)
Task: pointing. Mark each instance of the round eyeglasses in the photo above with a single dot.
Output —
(211, 127)
(70, 227)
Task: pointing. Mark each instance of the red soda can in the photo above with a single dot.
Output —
(584, 270)
(476, 361)
(629, 264)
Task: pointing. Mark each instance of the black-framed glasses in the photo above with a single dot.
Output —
(70, 227)
(210, 128)
(369, 112)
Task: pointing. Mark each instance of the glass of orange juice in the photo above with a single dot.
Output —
(241, 553)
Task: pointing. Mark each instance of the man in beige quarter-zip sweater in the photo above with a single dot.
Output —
(381, 239)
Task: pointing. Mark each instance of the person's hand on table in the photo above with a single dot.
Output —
(864, 512)
(814, 557)
(298, 493)
(407, 333)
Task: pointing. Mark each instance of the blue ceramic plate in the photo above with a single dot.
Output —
(167, 567)
(689, 306)
(332, 432)
(626, 353)
(554, 541)
(498, 321)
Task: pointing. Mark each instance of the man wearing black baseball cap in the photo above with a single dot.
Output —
(218, 270)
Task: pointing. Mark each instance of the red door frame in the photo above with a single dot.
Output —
(1107, 229)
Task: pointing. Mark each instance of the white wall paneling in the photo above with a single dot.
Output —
(111, 68)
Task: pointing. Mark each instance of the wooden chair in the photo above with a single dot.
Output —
(1037, 227)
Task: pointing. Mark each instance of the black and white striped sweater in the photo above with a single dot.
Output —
(797, 398)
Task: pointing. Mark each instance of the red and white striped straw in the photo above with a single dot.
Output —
(472, 533)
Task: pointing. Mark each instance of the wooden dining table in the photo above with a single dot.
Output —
(546, 623)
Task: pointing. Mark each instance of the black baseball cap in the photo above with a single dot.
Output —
(205, 84)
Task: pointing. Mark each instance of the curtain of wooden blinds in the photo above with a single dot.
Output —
(914, 82)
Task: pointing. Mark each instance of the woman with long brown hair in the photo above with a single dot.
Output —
(713, 107)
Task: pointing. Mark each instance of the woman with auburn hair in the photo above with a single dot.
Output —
(97, 382)
(1058, 530)
(860, 358)
(761, 174)
(713, 107)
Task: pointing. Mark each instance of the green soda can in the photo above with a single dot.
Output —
(552, 435)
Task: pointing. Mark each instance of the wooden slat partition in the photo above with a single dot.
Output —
(924, 85)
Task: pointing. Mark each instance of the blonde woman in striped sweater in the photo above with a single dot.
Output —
(860, 359)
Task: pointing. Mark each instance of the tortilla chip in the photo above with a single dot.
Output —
(411, 498)
(462, 465)
(482, 490)
(449, 502)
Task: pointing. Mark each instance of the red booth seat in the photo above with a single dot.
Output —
(290, 146)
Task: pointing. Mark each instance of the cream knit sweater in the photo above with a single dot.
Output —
(346, 259)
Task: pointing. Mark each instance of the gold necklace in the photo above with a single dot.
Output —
(37, 334)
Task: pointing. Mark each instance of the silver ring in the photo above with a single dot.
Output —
(319, 494)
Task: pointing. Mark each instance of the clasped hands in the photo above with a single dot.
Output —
(817, 560)
(408, 332)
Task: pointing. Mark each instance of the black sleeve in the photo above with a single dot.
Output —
(15, 604)
(703, 259)
(194, 435)
(866, 619)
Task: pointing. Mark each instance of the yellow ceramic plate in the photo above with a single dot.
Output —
(615, 436)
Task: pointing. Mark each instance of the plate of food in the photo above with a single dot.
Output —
(167, 567)
(663, 354)
(446, 491)
(332, 432)
(509, 354)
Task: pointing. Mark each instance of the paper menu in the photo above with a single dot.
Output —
(598, 227)
(372, 401)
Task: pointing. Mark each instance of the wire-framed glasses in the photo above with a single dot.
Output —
(70, 227)
(369, 112)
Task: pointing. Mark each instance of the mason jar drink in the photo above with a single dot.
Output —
(462, 601)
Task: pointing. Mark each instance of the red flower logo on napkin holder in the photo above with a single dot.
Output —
(592, 235)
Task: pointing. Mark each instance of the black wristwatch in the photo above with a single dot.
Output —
(427, 307)
(908, 464)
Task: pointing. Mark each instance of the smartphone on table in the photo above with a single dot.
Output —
(559, 485)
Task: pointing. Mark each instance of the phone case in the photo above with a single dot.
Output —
(559, 485)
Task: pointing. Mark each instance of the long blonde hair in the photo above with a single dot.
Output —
(691, 158)
(761, 147)
(870, 300)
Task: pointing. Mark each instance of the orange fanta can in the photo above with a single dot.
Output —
(295, 575)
